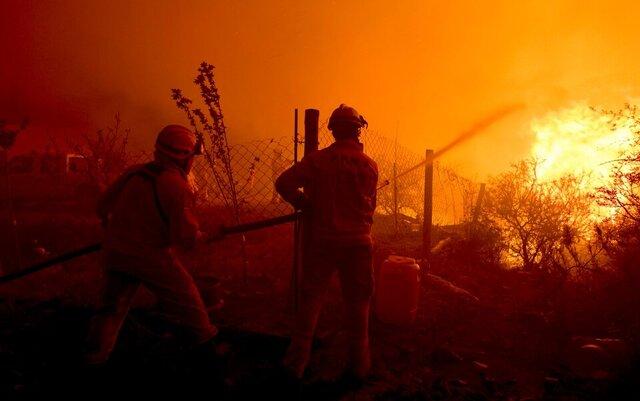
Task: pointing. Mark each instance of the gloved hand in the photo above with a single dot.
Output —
(215, 233)
(302, 202)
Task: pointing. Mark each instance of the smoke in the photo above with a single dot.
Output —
(431, 68)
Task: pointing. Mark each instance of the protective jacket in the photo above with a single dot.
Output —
(339, 192)
(149, 209)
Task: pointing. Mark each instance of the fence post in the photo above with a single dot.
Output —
(303, 234)
(297, 237)
(295, 136)
(311, 118)
(395, 198)
(395, 184)
(427, 224)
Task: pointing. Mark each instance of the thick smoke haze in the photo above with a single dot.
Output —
(424, 69)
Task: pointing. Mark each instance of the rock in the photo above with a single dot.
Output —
(617, 350)
(445, 285)
(586, 359)
(480, 366)
(458, 383)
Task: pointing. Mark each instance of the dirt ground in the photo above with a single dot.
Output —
(512, 343)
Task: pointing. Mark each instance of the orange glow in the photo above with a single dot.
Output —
(428, 69)
(579, 140)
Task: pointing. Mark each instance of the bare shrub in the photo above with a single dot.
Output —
(215, 146)
(620, 233)
(105, 153)
(543, 225)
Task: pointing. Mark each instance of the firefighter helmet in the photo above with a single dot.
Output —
(177, 142)
(345, 115)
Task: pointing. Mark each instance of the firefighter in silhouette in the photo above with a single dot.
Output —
(336, 189)
(148, 213)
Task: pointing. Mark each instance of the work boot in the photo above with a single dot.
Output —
(208, 362)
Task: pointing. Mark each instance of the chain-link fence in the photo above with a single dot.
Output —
(401, 202)
(257, 164)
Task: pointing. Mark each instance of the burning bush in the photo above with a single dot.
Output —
(544, 225)
(623, 192)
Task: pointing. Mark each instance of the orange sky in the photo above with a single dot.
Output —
(431, 68)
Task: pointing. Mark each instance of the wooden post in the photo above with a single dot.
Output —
(303, 225)
(297, 237)
(311, 118)
(428, 206)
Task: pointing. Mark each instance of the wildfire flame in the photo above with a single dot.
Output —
(580, 141)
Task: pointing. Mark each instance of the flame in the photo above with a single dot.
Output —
(581, 141)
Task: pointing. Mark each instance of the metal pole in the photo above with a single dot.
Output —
(427, 224)
(395, 198)
(395, 182)
(476, 210)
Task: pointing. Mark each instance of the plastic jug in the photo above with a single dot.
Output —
(398, 290)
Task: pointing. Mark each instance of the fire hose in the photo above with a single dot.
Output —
(236, 229)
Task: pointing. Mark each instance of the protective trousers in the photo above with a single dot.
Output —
(355, 271)
(174, 287)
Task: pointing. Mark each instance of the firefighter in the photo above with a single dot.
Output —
(147, 214)
(336, 189)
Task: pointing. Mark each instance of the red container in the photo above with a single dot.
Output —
(398, 291)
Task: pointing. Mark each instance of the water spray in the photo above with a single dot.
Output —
(464, 136)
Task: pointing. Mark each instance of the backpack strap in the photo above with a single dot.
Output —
(150, 172)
